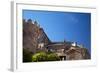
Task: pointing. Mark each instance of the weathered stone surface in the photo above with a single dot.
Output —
(75, 53)
(32, 35)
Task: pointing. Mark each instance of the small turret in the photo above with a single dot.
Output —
(64, 41)
(35, 22)
(29, 21)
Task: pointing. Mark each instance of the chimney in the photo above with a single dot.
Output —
(74, 44)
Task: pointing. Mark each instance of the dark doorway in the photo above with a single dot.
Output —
(62, 57)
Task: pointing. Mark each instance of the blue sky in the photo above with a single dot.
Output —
(71, 26)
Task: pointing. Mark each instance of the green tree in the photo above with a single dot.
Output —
(41, 56)
(53, 57)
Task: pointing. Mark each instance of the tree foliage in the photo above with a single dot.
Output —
(43, 56)
(53, 57)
